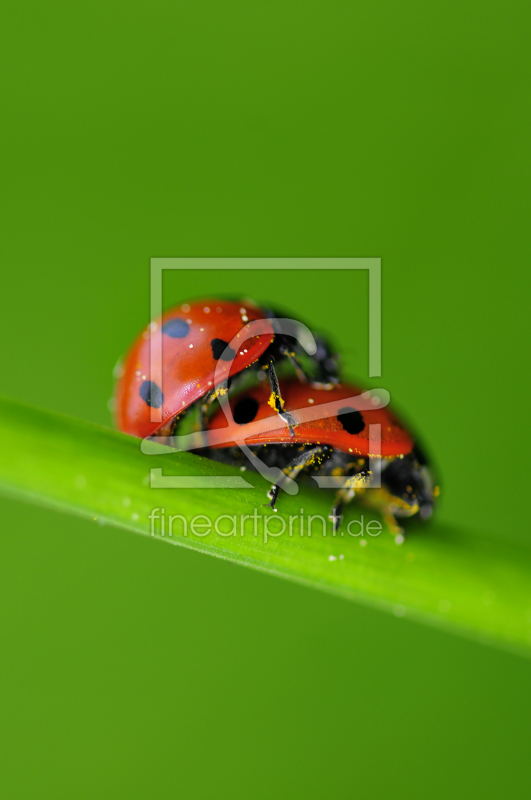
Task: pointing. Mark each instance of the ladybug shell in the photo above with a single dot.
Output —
(349, 432)
(193, 337)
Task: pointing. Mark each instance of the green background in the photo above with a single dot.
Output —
(131, 669)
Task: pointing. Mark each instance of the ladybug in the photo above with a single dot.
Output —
(197, 361)
(337, 445)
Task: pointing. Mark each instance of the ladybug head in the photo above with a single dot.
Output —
(409, 481)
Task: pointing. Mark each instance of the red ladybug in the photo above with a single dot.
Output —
(197, 361)
(339, 445)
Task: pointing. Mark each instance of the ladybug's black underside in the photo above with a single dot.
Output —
(406, 479)
(324, 362)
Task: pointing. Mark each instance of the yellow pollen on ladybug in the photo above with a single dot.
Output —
(273, 399)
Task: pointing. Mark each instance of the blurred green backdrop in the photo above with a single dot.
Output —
(131, 669)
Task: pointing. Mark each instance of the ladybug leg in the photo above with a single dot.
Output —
(170, 428)
(355, 481)
(207, 401)
(344, 496)
(203, 410)
(324, 357)
(307, 460)
(327, 371)
(175, 424)
(336, 516)
(276, 401)
(394, 528)
(273, 495)
(288, 353)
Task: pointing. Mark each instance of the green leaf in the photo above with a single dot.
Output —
(466, 582)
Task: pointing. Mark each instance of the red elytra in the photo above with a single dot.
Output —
(193, 338)
(251, 408)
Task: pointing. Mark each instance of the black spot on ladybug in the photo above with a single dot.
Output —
(151, 394)
(176, 328)
(245, 410)
(351, 420)
(221, 349)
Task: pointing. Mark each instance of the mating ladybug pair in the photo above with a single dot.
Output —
(308, 421)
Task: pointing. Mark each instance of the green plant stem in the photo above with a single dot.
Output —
(466, 582)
